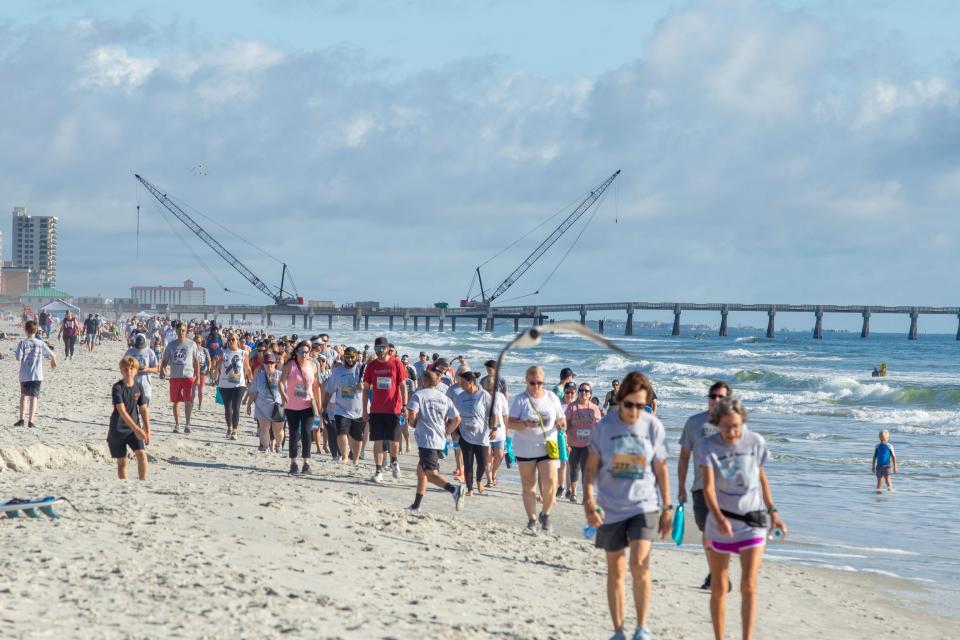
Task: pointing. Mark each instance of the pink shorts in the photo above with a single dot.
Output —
(737, 547)
(181, 389)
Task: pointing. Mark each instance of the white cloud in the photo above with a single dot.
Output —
(112, 67)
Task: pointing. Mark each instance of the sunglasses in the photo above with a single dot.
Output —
(584, 390)
(716, 396)
(639, 406)
(535, 384)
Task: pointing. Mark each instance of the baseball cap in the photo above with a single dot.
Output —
(441, 365)
(140, 341)
(381, 341)
(570, 386)
(470, 376)
(269, 358)
(490, 363)
(350, 351)
(566, 372)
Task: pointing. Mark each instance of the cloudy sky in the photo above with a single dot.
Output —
(771, 151)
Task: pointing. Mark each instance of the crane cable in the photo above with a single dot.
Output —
(190, 249)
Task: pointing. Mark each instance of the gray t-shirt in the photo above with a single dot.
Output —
(147, 359)
(179, 355)
(433, 410)
(474, 409)
(31, 352)
(626, 485)
(268, 392)
(736, 476)
(346, 391)
(420, 368)
(696, 429)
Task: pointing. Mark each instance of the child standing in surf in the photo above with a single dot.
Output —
(884, 459)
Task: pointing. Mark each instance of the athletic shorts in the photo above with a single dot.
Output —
(536, 460)
(30, 388)
(349, 426)
(700, 509)
(883, 471)
(118, 445)
(385, 426)
(617, 536)
(497, 444)
(430, 458)
(181, 389)
(91, 337)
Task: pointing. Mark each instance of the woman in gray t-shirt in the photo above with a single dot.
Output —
(736, 491)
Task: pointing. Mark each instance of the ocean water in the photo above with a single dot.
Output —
(820, 411)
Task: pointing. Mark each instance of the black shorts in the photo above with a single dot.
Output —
(118, 445)
(617, 536)
(430, 458)
(700, 509)
(536, 460)
(348, 426)
(385, 426)
(30, 388)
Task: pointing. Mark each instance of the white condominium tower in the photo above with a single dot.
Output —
(35, 247)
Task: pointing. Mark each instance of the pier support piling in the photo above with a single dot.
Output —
(958, 326)
(914, 316)
(490, 322)
(629, 330)
(676, 321)
(865, 331)
(269, 319)
(771, 323)
(479, 323)
(231, 319)
(426, 323)
(406, 320)
(818, 325)
(583, 315)
(724, 312)
(600, 326)
(391, 323)
(416, 322)
(516, 325)
(366, 322)
(453, 323)
(330, 322)
(440, 323)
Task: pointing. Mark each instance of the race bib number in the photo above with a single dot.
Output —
(384, 383)
(348, 393)
(628, 465)
(583, 434)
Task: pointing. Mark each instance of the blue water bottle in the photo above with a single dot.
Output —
(589, 531)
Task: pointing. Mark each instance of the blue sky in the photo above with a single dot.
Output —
(771, 151)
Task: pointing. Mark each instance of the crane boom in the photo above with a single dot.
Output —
(568, 222)
(277, 296)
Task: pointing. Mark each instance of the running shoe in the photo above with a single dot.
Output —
(262, 449)
(572, 497)
(618, 635)
(32, 425)
(458, 498)
(176, 428)
(532, 525)
(642, 633)
(545, 522)
(559, 492)
(18, 423)
(395, 469)
(377, 477)
(413, 508)
(233, 436)
(306, 470)
(186, 429)
(363, 455)
(293, 469)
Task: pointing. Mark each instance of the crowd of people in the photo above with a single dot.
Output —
(310, 396)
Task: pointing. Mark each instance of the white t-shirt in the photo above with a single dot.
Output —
(232, 374)
(346, 399)
(433, 410)
(500, 409)
(31, 352)
(530, 442)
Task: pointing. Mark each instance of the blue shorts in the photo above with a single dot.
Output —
(497, 444)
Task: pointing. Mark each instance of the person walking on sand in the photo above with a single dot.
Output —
(204, 362)
(698, 427)
(626, 495)
(535, 416)
(344, 388)
(264, 394)
(884, 459)
(434, 418)
(130, 406)
(301, 398)
(476, 425)
(180, 355)
(69, 331)
(90, 331)
(232, 369)
(498, 433)
(739, 498)
(30, 353)
(384, 397)
(582, 417)
(147, 361)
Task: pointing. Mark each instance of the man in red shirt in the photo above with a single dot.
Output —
(385, 378)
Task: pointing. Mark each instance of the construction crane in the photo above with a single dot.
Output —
(568, 222)
(280, 297)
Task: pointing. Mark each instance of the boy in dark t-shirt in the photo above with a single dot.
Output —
(130, 405)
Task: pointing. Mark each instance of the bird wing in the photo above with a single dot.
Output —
(572, 326)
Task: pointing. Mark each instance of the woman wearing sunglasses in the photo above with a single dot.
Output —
(233, 373)
(203, 358)
(535, 415)
(300, 388)
(627, 478)
(582, 416)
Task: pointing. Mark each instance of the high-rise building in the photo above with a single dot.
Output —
(185, 295)
(35, 247)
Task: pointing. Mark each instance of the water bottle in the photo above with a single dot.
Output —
(316, 423)
(589, 531)
(775, 535)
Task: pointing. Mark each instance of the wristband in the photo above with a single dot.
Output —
(772, 510)
(668, 507)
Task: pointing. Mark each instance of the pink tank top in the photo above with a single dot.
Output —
(299, 386)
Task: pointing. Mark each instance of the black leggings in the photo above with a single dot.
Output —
(69, 343)
(577, 463)
(231, 404)
(300, 423)
(473, 452)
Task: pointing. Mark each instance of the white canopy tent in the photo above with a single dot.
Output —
(59, 306)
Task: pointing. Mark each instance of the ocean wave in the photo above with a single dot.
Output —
(936, 422)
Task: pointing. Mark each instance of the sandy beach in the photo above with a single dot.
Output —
(221, 542)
